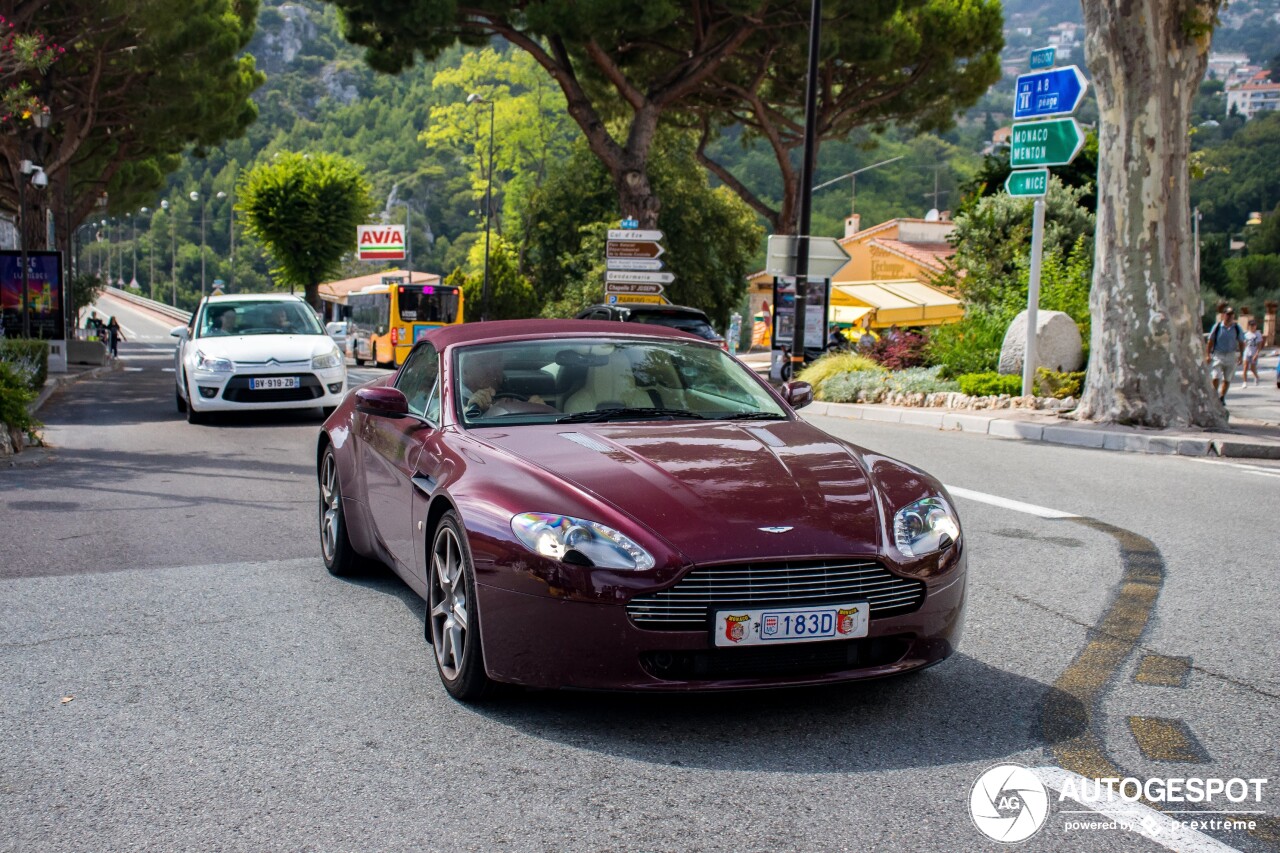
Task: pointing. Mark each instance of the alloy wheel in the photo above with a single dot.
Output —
(448, 603)
(330, 507)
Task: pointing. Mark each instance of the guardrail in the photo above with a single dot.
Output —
(150, 304)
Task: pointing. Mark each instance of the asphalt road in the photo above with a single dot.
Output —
(178, 671)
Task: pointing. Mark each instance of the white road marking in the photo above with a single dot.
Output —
(1239, 466)
(1008, 503)
(1138, 818)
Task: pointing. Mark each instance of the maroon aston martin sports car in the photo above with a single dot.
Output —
(591, 505)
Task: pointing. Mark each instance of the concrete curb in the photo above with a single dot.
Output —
(1236, 447)
(55, 383)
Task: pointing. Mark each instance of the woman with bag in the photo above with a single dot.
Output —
(114, 337)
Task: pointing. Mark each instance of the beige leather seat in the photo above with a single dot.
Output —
(608, 386)
(656, 376)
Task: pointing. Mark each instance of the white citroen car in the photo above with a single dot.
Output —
(251, 352)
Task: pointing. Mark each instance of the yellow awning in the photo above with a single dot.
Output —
(851, 314)
(901, 303)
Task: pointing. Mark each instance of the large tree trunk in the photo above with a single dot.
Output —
(1146, 364)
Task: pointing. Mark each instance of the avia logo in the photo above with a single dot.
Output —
(380, 242)
(775, 529)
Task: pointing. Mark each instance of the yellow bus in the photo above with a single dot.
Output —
(388, 318)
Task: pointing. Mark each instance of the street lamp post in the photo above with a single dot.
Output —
(474, 98)
(173, 252)
(133, 248)
(195, 196)
(231, 232)
(151, 253)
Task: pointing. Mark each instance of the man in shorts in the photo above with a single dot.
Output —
(1222, 352)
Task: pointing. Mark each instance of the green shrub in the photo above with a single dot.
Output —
(834, 364)
(990, 384)
(873, 384)
(970, 346)
(846, 387)
(920, 380)
(15, 396)
(1051, 383)
(30, 359)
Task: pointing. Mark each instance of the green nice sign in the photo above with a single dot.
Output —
(1028, 184)
(1045, 143)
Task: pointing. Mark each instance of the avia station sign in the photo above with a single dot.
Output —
(380, 242)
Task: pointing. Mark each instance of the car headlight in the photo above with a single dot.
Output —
(213, 365)
(330, 359)
(570, 540)
(925, 526)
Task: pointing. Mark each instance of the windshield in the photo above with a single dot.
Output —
(258, 317)
(557, 381)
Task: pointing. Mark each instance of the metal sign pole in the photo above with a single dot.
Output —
(1029, 360)
(806, 183)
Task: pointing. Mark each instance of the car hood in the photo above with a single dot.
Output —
(709, 489)
(252, 349)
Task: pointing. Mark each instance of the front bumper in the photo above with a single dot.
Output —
(540, 641)
(227, 392)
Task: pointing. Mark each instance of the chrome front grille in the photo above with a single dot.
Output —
(689, 605)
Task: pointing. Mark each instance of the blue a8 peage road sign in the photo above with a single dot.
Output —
(1055, 92)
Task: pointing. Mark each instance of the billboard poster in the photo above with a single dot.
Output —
(46, 300)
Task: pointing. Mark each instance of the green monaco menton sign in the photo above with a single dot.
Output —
(1033, 182)
(1045, 143)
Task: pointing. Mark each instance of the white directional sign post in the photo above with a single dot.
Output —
(826, 256)
(627, 276)
(633, 264)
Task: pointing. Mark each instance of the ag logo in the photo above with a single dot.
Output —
(1008, 803)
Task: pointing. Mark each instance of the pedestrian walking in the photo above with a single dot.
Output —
(1252, 349)
(114, 337)
(1223, 351)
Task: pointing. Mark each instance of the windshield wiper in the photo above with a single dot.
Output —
(754, 416)
(626, 412)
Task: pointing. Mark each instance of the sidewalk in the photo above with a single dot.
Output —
(1245, 439)
(75, 372)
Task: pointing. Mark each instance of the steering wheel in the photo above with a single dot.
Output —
(510, 395)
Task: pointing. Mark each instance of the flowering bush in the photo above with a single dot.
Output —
(899, 351)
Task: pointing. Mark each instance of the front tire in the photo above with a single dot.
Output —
(453, 620)
(335, 546)
(181, 403)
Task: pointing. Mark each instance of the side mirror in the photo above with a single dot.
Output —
(179, 332)
(797, 394)
(384, 402)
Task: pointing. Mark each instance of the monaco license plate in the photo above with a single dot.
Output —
(269, 383)
(791, 625)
